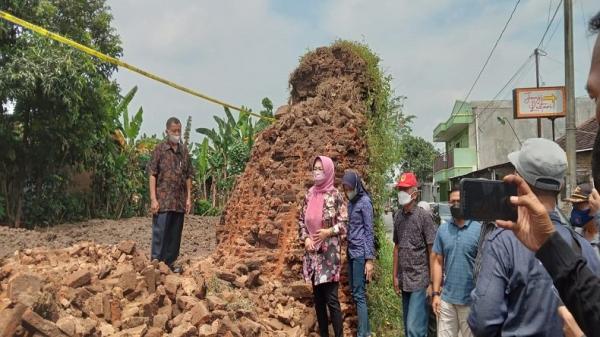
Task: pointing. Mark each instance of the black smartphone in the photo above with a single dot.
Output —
(487, 200)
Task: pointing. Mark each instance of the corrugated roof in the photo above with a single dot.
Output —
(586, 134)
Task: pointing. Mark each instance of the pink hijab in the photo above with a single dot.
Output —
(316, 196)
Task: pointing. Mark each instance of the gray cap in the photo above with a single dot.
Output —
(541, 162)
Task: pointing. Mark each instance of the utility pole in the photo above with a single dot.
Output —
(570, 127)
(537, 85)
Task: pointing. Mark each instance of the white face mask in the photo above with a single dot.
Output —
(174, 139)
(404, 198)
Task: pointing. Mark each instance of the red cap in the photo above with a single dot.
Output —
(407, 179)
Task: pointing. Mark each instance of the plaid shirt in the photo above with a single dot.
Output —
(413, 232)
(172, 168)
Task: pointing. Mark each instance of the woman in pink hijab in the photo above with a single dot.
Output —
(323, 220)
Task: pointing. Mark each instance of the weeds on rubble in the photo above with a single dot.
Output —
(215, 286)
(240, 303)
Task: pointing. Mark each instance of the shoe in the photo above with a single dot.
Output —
(177, 269)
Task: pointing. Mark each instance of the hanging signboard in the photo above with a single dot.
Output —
(546, 102)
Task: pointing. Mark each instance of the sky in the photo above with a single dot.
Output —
(241, 51)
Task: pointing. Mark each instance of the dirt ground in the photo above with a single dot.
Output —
(198, 235)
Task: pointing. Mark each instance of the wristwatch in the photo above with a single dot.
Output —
(435, 293)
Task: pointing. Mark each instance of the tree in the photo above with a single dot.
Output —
(202, 166)
(120, 182)
(267, 111)
(418, 156)
(188, 129)
(64, 100)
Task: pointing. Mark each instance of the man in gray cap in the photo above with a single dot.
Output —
(514, 294)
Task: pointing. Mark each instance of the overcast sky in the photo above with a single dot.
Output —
(241, 51)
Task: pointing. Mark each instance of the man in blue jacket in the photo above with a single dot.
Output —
(514, 294)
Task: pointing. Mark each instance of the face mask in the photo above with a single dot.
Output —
(174, 139)
(351, 195)
(580, 217)
(456, 212)
(404, 198)
(319, 177)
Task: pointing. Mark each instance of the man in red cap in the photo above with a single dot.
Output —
(414, 234)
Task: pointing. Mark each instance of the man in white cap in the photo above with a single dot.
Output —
(514, 294)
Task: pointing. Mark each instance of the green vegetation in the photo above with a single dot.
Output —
(223, 155)
(71, 148)
(64, 105)
(417, 156)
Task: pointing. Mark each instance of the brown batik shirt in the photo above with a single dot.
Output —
(171, 167)
(413, 232)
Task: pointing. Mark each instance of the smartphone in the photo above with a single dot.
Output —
(487, 200)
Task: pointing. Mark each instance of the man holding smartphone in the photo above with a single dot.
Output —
(454, 252)
(514, 294)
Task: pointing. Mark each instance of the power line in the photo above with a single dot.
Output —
(520, 74)
(550, 24)
(490, 55)
(549, 11)
(510, 80)
(520, 69)
(558, 25)
(584, 22)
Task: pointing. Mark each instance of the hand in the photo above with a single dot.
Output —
(309, 245)
(188, 206)
(533, 225)
(570, 327)
(436, 305)
(369, 270)
(397, 285)
(154, 206)
(324, 233)
(594, 202)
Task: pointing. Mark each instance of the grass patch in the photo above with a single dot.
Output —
(385, 308)
(215, 286)
(241, 303)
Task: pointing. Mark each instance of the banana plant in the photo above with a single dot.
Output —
(130, 128)
(226, 148)
(267, 111)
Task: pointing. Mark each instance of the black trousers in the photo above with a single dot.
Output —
(166, 236)
(326, 296)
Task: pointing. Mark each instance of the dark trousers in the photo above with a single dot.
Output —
(166, 236)
(432, 324)
(326, 296)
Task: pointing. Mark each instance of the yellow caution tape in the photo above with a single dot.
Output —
(109, 59)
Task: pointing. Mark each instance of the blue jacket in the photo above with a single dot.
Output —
(514, 294)
(360, 228)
